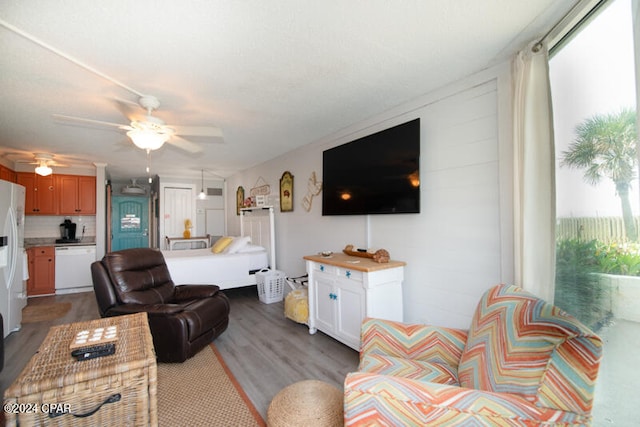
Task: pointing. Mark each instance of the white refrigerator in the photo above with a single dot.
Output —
(13, 295)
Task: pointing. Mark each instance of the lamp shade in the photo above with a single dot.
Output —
(44, 170)
(202, 194)
(147, 139)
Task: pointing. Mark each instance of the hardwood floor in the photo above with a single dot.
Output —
(264, 350)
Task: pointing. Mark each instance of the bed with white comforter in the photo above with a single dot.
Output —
(227, 270)
(237, 264)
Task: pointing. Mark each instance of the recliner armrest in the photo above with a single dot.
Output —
(189, 292)
(151, 309)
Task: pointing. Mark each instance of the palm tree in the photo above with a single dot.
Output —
(605, 146)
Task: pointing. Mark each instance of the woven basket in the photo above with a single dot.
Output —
(121, 388)
(306, 403)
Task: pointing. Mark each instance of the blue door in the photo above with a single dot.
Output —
(129, 222)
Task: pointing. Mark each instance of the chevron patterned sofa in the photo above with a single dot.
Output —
(523, 362)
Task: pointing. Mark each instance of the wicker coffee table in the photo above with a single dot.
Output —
(306, 403)
(120, 388)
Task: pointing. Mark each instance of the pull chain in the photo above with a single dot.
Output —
(149, 166)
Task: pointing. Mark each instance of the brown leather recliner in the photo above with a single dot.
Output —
(183, 319)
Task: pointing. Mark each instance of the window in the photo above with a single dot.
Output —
(597, 252)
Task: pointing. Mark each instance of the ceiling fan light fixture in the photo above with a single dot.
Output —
(147, 139)
(43, 169)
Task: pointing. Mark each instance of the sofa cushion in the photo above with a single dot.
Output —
(408, 368)
(511, 340)
(393, 401)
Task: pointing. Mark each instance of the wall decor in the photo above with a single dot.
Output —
(260, 188)
(314, 187)
(239, 199)
(286, 192)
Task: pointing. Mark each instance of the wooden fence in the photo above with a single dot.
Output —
(606, 229)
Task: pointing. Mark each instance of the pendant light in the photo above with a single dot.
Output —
(202, 194)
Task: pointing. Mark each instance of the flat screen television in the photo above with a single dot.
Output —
(376, 174)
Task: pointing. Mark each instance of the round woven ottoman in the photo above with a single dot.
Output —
(306, 403)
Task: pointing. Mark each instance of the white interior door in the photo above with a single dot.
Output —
(178, 205)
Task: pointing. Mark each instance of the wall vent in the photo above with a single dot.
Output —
(214, 191)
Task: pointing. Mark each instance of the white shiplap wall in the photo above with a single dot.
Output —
(460, 243)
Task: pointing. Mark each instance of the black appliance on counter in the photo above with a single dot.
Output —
(67, 232)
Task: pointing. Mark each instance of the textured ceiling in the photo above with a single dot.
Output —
(273, 75)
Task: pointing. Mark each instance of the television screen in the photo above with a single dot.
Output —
(376, 174)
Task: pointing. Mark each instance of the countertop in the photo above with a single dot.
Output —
(32, 242)
(354, 263)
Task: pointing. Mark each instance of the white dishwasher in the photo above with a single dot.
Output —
(73, 268)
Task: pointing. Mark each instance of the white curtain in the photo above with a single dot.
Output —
(534, 174)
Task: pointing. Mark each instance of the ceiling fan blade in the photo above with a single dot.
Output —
(131, 110)
(184, 144)
(197, 130)
(73, 119)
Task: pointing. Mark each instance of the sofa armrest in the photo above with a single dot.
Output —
(413, 341)
(150, 309)
(189, 292)
(391, 400)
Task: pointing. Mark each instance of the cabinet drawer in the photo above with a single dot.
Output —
(325, 268)
(47, 251)
(338, 272)
(349, 274)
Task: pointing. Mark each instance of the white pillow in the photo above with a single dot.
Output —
(237, 244)
(251, 248)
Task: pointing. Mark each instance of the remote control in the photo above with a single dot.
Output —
(92, 352)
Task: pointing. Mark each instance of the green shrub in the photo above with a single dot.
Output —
(619, 258)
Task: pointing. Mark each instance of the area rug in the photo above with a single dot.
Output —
(33, 313)
(202, 391)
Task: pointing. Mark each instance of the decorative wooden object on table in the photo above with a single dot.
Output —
(120, 389)
(381, 255)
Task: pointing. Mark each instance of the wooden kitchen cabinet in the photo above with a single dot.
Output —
(40, 195)
(76, 194)
(58, 194)
(42, 271)
(7, 174)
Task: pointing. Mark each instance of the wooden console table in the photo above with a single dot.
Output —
(344, 289)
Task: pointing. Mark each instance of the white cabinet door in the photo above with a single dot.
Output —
(350, 311)
(324, 302)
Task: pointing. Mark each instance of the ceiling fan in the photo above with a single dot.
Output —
(44, 162)
(150, 132)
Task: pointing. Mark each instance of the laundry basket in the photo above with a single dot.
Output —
(270, 285)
